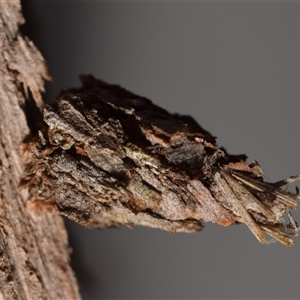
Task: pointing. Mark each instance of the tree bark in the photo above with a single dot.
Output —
(34, 253)
(107, 157)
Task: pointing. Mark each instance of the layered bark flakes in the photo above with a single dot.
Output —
(107, 157)
(34, 251)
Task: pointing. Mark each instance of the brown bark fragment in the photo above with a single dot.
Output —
(34, 254)
(109, 157)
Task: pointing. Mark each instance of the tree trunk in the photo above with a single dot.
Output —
(107, 157)
(34, 253)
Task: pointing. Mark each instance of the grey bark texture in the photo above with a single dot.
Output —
(34, 252)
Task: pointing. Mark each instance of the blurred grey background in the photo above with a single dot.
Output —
(235, 67)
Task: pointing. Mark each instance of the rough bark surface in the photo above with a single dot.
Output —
(109, 157)
(34, 253)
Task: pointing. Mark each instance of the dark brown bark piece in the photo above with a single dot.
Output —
(107, 157)
(34, 252)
